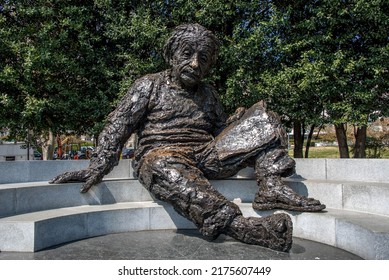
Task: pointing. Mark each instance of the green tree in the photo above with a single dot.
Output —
(333, 58)
(355, 47)
(67, 62)
(64, 64)
(59, 72)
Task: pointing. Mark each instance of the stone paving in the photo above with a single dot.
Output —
(177, 245)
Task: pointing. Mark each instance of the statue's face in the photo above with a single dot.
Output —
(192, 62)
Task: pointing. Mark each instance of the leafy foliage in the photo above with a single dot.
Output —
(333, 61)
(56, 68)
(65, 64)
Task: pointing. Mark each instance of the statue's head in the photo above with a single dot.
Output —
(191, 51)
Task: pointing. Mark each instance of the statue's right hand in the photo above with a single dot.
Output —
(89, 176)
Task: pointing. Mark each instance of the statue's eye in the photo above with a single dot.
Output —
(187, 53)
(203, 58)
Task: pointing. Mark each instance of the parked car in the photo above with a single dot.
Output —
(128, 153)
(82, 154)
(37, 155)
(86, 152)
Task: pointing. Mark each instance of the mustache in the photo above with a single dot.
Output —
(186, 69)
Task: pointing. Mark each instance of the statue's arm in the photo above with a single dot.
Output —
(121, 123)
(218, 110)
(222, 121)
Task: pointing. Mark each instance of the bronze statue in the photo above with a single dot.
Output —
(185, 139)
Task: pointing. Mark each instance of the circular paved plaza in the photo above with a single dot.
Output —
(177, 245)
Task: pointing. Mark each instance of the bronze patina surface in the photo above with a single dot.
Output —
(185, 139)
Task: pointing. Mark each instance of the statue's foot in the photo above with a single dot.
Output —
(276, 195)
(274, 232)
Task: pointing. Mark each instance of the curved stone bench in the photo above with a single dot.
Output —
(20, 198)
(35, 215)
(44, 215)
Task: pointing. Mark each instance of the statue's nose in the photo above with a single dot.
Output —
(195, 61)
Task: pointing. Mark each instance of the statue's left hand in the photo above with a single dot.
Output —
(91, 177)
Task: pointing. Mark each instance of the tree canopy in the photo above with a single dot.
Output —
(331, 62)
(56, 68)
(65, 64)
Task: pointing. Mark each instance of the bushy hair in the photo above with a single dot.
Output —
(189, 32)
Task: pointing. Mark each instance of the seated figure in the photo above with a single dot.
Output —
(185, 140)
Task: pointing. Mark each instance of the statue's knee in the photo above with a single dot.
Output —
(266, 120)
(275, 162)
(259, 110)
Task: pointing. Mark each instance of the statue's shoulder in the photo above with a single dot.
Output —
(154, 77)
(144, 81)
(149, 81)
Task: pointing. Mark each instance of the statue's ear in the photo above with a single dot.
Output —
(166, 53)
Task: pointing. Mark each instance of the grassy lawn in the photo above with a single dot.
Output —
(331, 152)
(323, 152)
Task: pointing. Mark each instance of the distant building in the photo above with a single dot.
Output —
(11, 151)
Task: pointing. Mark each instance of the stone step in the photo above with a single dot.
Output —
(363, 170)
(368, 197)
(44, 170)
(38, 230)
(363, 234)
(35, 215)
(19, 198)
(355, 169)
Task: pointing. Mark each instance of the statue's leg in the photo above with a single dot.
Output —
(258, 139)
(172, 177)
(271, 165)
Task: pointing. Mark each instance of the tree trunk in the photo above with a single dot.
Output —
(341, 136)
(360, 141)
(309, 140)
(48, 148)
(298, 137)
(318, 131)
(28, 144)
(96, 140)
(59, 147)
